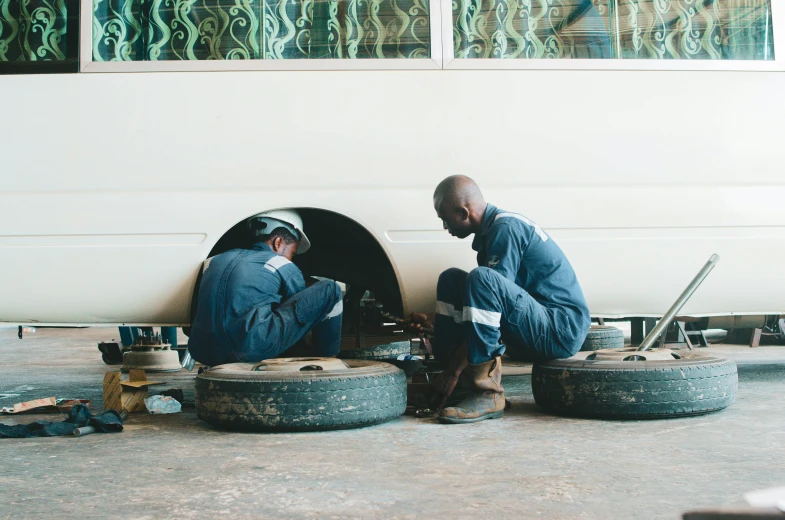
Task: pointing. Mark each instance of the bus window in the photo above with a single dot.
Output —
(39, 36)
(626, 29)
(136, 30)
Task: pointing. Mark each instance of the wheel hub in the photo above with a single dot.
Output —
(631, 354)
(152, 360)
(299, 364)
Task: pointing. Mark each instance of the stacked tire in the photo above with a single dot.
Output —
(601, 337)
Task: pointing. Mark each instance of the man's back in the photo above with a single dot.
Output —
(522, 252)
(238, 290)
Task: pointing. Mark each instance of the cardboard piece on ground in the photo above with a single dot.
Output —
(39, 405)
(129, 395)
(49, 404)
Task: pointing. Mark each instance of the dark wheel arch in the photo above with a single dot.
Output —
(341, 249)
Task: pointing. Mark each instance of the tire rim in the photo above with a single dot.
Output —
(300, 364)
(245, 371)
(632, 358)
(632, 354)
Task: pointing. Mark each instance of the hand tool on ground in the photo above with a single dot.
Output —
(87, 430)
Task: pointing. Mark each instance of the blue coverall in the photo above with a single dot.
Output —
(253, 305)
(525, 293)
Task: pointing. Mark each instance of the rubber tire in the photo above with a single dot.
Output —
(696, 384)
(111, 353)
(239, 399)
(603, 336)
(378, 352)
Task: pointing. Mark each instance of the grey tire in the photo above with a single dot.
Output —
(696, 384)
(603, 336)
(235, 397)
(378, 352)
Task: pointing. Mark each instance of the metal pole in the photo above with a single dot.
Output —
(666, 320)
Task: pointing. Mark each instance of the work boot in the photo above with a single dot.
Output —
(487, 398)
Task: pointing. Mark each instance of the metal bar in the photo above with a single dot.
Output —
(683, 332)
(636, 325)
(679, 303)
(84, 430)
(755, 341)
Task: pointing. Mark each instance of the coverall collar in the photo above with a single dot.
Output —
(261, 246)
(487, 220)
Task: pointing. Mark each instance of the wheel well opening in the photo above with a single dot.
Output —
(341, 249)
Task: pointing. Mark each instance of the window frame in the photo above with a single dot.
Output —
(88, 65)
(450, 62)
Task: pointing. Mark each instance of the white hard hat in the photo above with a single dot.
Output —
(286, 218)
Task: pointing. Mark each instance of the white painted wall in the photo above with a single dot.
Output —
(114, 187)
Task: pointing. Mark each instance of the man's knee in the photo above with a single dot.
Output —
(334, 297)
(329, 289)
(482, 276)
(450, 279)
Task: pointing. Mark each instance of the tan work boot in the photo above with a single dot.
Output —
(487, 398)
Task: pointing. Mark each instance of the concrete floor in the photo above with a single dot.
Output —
(526, 465)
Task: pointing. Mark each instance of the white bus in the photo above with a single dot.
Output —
(643, 135)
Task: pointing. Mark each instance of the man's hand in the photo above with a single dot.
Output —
(418, 321)
(445, 383)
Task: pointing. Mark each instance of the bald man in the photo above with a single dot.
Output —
(523, 299)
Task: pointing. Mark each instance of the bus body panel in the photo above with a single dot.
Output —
(114, 187)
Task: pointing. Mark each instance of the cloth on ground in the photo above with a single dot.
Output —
(106, 422)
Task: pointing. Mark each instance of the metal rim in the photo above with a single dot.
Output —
(300, 364)
(245, 371)
(152, 361)
(633, 354)
(629, 358)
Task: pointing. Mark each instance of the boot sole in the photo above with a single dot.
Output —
(455, 420)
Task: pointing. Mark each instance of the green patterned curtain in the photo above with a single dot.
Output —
(32, 30)
(531, 29)
(347, 29)
(697, 29)
(140, 30)
(636, 29)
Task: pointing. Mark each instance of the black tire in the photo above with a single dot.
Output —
(603, 336)
(378, 352)
(693, 385)
(234, 397)
(111, 353)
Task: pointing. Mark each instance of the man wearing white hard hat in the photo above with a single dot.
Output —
(253, 303)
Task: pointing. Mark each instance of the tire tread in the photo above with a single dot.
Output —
(572, 388)
(297, 404)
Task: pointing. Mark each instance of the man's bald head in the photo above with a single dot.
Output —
(460, 204)
(457, 190)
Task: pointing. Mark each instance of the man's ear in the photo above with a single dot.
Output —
(464, 213)
(277, 244)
